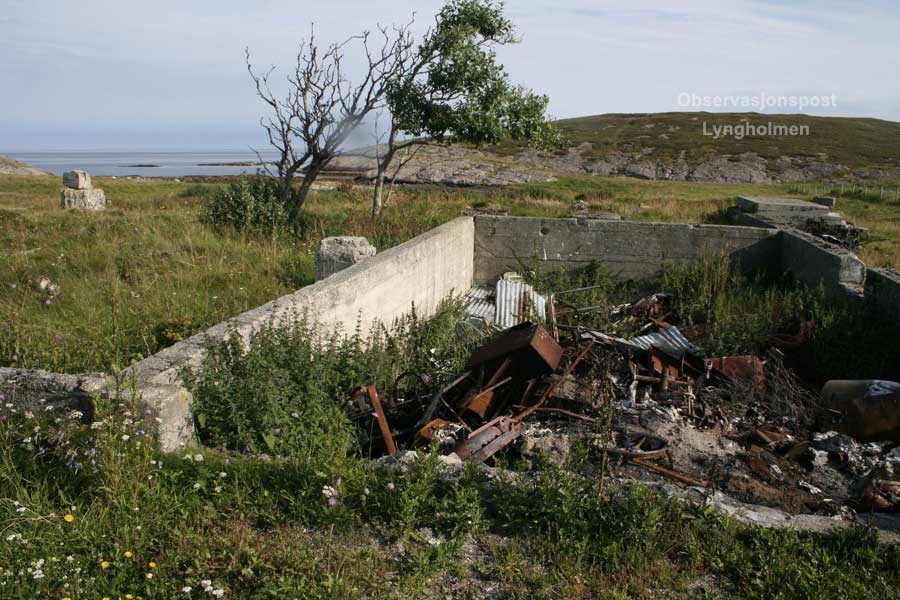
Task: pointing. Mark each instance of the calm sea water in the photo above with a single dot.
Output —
(167, 164)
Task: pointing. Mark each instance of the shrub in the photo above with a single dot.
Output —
(285, 394)
(252, 204)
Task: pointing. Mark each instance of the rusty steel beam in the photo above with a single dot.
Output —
(382, 420)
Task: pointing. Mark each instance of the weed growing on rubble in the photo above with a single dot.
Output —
(285, 394)
(725, 313)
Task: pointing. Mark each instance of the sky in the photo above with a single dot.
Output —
(170, 74)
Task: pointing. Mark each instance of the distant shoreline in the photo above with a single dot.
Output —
(253, 163)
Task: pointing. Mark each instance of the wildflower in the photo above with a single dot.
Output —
(187, 589)
(68, 518)
(12, 285)
(66, 598)
(295, 415)
(129, 597)
(126, 437)
(277, 431)
(57, 338)
(197, 486)
(148, 575)
(223, 474)
(218, 593)
(332, 502)
(391, 486)
(198, 457)
(365, 491)
(152, 565)
(206, 582)
(104, 564)
(128, 554)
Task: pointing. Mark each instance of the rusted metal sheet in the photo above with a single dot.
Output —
(744, 369)
(489, 439)
(529, 344)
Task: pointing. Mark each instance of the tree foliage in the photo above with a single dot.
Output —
(453, 89)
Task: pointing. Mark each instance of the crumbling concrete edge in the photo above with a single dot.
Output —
(886, 526)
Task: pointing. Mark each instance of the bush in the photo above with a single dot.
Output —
(285, 394)
(252, 204)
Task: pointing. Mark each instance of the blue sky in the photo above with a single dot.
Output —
(170, 74)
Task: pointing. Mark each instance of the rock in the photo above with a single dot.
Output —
(84, 199)
(337, 253)
(77, 180)
(11, 166)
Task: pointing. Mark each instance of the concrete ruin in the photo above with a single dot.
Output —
(79, 194)
(338, 253)
(450, 259)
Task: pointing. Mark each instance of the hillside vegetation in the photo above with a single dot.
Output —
(853, 142)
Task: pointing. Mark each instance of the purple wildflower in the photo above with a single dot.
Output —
(295, 415)
(278, 431)
(332, 502)
(391, 486)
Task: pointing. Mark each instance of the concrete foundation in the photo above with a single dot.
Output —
(628, 249)
(450, 258)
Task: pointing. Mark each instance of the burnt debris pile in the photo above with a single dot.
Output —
(650, 407)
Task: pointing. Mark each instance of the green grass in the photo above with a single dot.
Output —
(91, 511)
(852, 142)
(146, 272)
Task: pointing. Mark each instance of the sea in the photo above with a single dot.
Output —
(146, 164)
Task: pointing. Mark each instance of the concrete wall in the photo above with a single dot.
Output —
(813, 261)
(420, 272)
(630, 250)
(883, 294)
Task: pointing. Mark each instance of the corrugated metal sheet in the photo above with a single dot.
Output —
(669, 340)
(517, 302)
(480, 302)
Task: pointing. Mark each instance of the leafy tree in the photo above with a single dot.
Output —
(452, 89)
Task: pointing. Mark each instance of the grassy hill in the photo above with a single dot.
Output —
(853, 142)
(833, 146)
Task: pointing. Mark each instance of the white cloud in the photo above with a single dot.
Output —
(97, 67)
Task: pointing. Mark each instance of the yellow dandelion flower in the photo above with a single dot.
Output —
(129, 597)
(128, 554)
(68, 518)
(66, 598)
(104, 564)
(105, 597)
(152, 565)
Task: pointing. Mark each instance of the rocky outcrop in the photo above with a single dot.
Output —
(458, 165)
(449, 165)
(11, 166)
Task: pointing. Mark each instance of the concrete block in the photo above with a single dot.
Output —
(337, 253)
(883, 293)
(813, 261)
(89, 199)
(77, 180)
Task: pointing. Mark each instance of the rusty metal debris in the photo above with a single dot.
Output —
(642, 392)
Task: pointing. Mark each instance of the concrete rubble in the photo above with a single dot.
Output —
(337, 253)
(79, 194)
